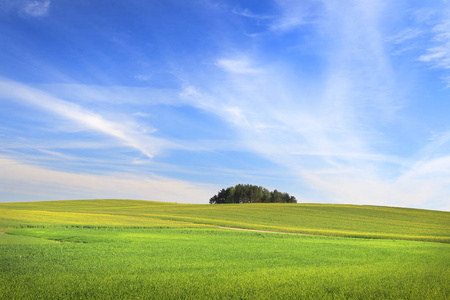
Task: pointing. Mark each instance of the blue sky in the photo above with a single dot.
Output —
(330, 101)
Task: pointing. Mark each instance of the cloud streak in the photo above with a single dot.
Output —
(439, 54)
(293, 14)
(428, 38)
(239, 66)
(36, 8)
(128, 136)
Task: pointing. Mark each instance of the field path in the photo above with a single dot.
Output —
(257, 230)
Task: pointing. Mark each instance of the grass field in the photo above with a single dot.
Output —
(148, 250)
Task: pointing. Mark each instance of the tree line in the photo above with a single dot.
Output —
(247, 193)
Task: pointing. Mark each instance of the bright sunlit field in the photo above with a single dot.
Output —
(116, 249)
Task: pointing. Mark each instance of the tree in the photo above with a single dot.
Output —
(266, 196)
(247, 193)
(276, 197)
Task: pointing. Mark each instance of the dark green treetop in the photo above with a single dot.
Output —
(247, 193)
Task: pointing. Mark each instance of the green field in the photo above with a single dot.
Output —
(118, 249)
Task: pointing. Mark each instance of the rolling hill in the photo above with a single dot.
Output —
(315, 219)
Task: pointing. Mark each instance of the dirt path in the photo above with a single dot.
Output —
(257, 230)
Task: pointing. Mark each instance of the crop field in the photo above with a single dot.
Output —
(125, 249)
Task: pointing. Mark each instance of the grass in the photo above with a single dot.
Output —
(317, 219)
(115, 249)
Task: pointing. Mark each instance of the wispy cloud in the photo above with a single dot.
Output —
(413, 189)
(240, 66)
(406, 35)
(440, 55)
(36, 8)
(422, 183)
(127, 134)
(249, 14)
(437, 56)
(293, 14)
(429, 36)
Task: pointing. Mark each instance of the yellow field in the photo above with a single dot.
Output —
(316, 219)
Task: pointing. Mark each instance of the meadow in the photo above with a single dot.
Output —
(111, 249)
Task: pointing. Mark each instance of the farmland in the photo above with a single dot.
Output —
(148, 250)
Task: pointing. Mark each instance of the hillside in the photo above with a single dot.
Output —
(125, 249)
(315, 219)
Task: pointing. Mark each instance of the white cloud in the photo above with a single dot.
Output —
(36, 8)
(294, 14)
(127, 134)
(364, 187)
(406, 35)
(23, 182)
(58, 155)
(239, 66)
(438, 56)
(437, 53)
(437, 167)
(248, 14)
(189, 91)
(427, 37)
(425, 184)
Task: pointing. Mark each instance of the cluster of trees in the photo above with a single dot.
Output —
(247, 193)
